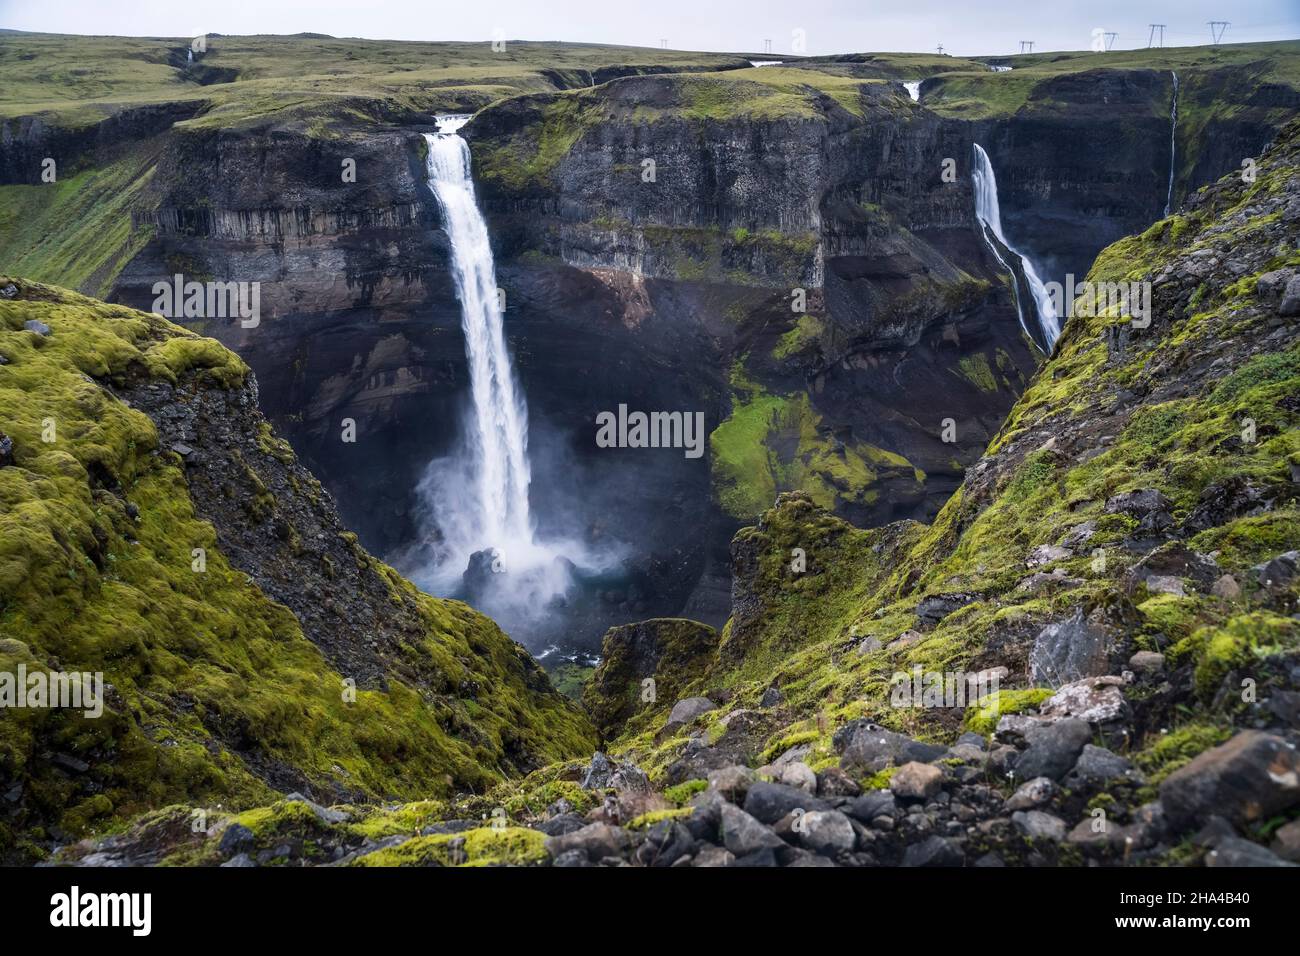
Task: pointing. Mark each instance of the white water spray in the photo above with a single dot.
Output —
(990, 218)
(913, 90)
(498, 514)
(1173, 146)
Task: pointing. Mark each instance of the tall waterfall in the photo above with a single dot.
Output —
(1173, 146)
(498, 510)
(990, 218)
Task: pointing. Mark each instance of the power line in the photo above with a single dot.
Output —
(1217, 29)
(1154, 27)
(1027, 43)
(1110, 40)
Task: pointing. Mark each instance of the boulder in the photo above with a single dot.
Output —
(769, 802)
(595, 840)
(1098, 700)
(934, 851)
(1070, 649)
(916, 781)
(743, 835)
(1097, 768)
(1234, 852)
(1251, 777)
(685, 711)
(1032, 793)
(871, 748)
(1053, 749)
(827, 832)
(1038, 825)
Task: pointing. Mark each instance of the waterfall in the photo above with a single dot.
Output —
(990, 219)
(914, 90)
(498, 441)
(1173, 146)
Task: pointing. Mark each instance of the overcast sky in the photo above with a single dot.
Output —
(830, 26)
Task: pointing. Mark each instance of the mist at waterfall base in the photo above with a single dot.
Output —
(478, 539)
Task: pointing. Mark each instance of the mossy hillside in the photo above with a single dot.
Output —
(771, 443)
(669, 653)
(78, 230)
(215, 686)
(78, 80)
(1164, 411)
(980, 94)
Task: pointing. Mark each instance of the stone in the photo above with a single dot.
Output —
(685, 711)
(873, 805)
(665, 842)
(1098, 700)
(713, 856)
(596, 840)
(1098, 834)
(9, 291)
(1252, 777)
(236, 839)
(916, 781)
(324, 814)
(1286, 841)
(1149, 506)
(1047, 554)
(1068, 650)
(1226, 588)
(572, 858)
(834, 782)
(797, 774)
(769, 802)
(870, 747)
(1053, 749)
(1290, 302)
(933, 609)
(1166, 584)
(934, 851)
(869, 645)
(742, 834)
(1279, 572)
(239, 861)
(827, 832)
(771, 698)
(1038, 825)
(1147, 662)
(6, 450)
(1031, 793)
(732, 782)
(561, 824)
(40, 328)
(1234, 851)
(1098, 767)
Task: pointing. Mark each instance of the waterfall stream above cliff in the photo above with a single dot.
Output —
(985, 185)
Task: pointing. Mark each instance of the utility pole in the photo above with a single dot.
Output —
(663, 44)
(1110, 40)
(1154, 27)
(940, 49)
(767, 46)
(1027, 43)
(1217, 29)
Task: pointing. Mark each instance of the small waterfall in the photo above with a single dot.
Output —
(498, 441)
(914, 91)
(990, 219)
(1173, 145)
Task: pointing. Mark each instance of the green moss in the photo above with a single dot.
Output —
(1166, 752)
(486, 846)
(982, 716)
(682, 792)
(86, 585)
(1234, 645)
(646, 820)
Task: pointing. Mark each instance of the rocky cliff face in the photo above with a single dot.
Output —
(674, 293)
(157, 533)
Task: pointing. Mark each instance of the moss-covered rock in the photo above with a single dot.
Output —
(226, 678)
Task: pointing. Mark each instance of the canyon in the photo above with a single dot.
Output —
(841, 263)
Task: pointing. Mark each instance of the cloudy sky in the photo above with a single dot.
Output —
(830, 26)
